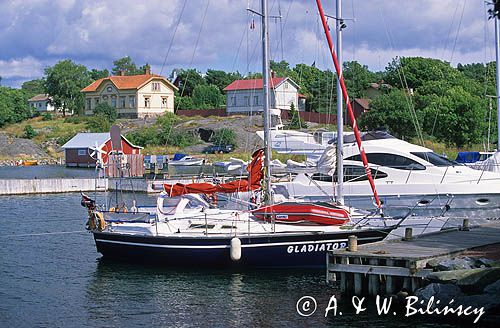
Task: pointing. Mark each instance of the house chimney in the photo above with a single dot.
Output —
(147, 70)
(273, 74)
(122, 72)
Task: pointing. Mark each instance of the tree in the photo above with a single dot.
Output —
(106, 111)
(390, 111)
(357, 78)
(295, 121)
(207, 96)
(280, 69)
(33, 87)
(96, 74)
(13, 106)
(187, 80)
(63, 82)
(125, 65)
(221, 79)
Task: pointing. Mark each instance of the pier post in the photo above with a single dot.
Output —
(373, 280)
(465, 225)
(389, 280)
(358, 279)
(352, 243)
(408, 234)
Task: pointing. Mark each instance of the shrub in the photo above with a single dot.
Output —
(224, 136)
(76, 119)
(107, 111)
(47, 117)
(98, 123)
(29, 132)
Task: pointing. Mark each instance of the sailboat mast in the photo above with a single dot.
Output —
(497, 53)
(348, 104)
(340, 116)
(266, 106)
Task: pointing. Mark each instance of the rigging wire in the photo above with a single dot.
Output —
(458, 32)
(404, 82)
(173, 37)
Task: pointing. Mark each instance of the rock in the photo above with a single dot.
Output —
(486, 301)
(493, 288)
(456, 264)
(442, 292)
(450, 277)
(478, 279)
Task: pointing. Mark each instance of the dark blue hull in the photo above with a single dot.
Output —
(273, 250)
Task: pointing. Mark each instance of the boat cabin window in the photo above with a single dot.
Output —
(351, 173)
(201, 226)
(390, 160)
(434, 158)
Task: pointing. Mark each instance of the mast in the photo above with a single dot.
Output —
(497, 59)
(340, 116)
(348, 104)
(266, 106)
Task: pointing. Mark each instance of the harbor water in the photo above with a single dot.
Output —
(52, 276)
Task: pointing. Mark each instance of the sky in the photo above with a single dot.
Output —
(218, 34)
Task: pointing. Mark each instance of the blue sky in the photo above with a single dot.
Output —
(35, 34)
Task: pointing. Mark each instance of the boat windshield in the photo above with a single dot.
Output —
(435, 159)
(390, 160)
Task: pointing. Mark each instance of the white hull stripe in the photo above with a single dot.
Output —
(228, 246)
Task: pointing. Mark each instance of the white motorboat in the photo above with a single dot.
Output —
(407, 177)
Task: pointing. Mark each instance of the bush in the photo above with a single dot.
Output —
(224, 136)
(76, 119)
(29, 132)
(47, 117)
(144, 137)
(295, 121)
(107, 111)
(98, 123)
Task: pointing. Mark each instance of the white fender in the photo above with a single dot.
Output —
(235, 250)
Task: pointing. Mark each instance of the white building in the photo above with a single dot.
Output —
(246, 96)
(41, 103)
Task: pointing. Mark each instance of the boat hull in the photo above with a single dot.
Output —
(270, 250)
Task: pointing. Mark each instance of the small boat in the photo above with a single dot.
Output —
(29, 162)
(304, 213)
(234, 165)
(185, 160)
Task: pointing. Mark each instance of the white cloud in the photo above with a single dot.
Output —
(27, 67)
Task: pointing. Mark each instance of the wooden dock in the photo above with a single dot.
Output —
(387, 267)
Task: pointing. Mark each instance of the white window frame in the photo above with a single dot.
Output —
(82, 152)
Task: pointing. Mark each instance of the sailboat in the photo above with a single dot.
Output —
(184, 228)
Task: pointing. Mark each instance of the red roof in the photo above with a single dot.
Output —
(252, 84)
(124, 82)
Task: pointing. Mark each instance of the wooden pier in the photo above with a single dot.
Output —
(387, 267)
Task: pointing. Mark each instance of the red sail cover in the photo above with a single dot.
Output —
(255, 176)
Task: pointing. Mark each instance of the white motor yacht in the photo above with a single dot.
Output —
(407, 177)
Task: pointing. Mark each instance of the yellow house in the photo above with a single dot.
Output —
(133, 96)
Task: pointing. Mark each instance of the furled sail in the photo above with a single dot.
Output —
(255, 176)
(328, 161)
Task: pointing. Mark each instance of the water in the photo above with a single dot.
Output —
(54, 279)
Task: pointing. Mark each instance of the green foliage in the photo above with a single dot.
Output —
(29, 132)
(107, 111)
(63, 83)
(207, 96)
(390, 111)
(125, 65)
(164, 132)
(224, 136)
(188, 79)
(13, 106)
(295, 121)
(33, 88)
(47, 117)
(76, 119)
(96, 74)
(183, 102)
(357, 78)
(98, 123)
(221, 79)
